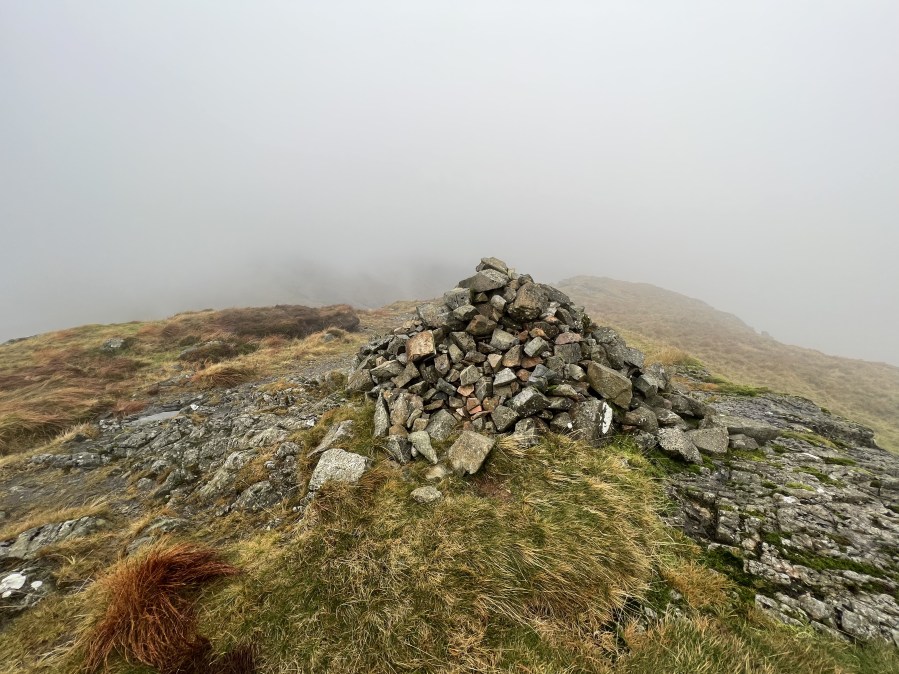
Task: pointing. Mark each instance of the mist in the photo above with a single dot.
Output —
(159, 157)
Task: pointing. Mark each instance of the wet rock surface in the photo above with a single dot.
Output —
(810, 515)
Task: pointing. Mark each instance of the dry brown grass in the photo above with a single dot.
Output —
(51, 382)
(700, 586)
(149, 613)
(97, 507)
(222, 375)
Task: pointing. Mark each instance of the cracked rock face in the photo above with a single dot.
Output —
(814, 519)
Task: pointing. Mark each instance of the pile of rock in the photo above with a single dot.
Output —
(502, 352)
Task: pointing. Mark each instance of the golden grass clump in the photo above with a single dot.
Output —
(222, 375)
(149, 615)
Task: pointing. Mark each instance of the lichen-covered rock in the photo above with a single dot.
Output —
(468, 453)
(338, 465)
(675, 442)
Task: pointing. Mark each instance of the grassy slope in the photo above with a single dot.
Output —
(52, 382)
(654, 318)
(532, 566)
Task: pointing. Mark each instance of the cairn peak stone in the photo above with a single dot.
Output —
(493, 263)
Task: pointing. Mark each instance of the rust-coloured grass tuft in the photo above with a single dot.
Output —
(149, 616)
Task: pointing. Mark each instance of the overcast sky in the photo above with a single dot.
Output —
(162, 156)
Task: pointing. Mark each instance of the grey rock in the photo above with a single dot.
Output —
(381, 419)
(493, 263)
(484, 281)
(710, 440)
(503, 340)
(433, 315)
(611, 385)
(467, 454)
(503, 417)
(338, 434)
(536, 346)
(592, 421)
(441, 425)
(675, 442)
(470, 375)
(337, 465)
(223, 478)
(504, 377)
(561, 423)
(421, 441)
(757, 430)
(465, 313)
(29, 543)
(528, 402)
(527, 432)
(387, 370)
(256, 497)
(360, 381)
(686, 406)
(530, 303)
(643, 418)
(399, 449)
(744, 442)
(456, 297)
(113, 345)
(569, 353)
(426, 495)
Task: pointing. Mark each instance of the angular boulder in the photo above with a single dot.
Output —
(468, 453)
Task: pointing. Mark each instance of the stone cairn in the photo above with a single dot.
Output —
(502, 352)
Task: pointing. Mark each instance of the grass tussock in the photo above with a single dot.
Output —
(222, 375)
(148, 614)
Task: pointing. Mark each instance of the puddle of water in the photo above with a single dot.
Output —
(159, 416)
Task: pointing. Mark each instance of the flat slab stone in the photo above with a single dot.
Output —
(468, 453)
(710, 440)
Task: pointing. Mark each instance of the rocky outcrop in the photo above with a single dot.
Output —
(806, 507)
